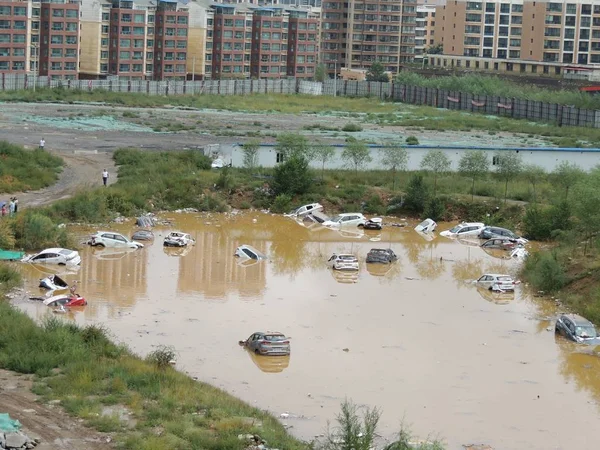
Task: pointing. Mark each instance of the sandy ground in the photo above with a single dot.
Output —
(47, 422)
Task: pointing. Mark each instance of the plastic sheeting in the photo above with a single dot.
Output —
(8, 425)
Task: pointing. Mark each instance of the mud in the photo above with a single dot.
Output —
(415, 339)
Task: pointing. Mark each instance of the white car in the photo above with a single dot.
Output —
(217, 164)
(60, 256)
(112, 239)
(245, 252)
(427, 226)
(343, 262)
(178, 239)
(306, 209)
(464, 229)
(497, 282)
(346, 220)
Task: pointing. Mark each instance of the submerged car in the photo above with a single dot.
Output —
(496, 282)
(343, 262)
(248, 252)
(60, 256)
(376, 223)
(499, 243)
(142, 235)
(346, 220)
(494, 232)
(112, 239)
(577, 329)
(178, 239)
(270, 343)
(65, 300)
(53, 283)
(305, 209)
(427, 226)
(463, 229)
(381, 256)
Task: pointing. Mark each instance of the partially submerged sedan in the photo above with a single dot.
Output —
(346, 220)
(381, 256)
(60, 256)
(178, 239)
(427, 226)
(270, 343)
(496, 282)
(112, 239)
(463, 229)
(494, 232)
(248, 252)
(343, 262)
(577, 329)
(502, 243)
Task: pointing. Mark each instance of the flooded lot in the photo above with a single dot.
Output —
(413, 338)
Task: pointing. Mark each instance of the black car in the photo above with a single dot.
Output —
(497, 232)
(375, 223)
(381, 256)
(577, 328)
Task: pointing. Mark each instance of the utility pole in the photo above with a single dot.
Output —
(194, 69)
(35, 64)
(335, 78)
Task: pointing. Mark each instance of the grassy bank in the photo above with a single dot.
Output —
(22, 169)
(489, 85)
(91, 376)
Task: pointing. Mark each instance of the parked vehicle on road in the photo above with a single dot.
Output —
(343, 262)
(494, 232)
(346, 220)
(496, 282)
(60, 256)
(381, 256)
(178, 239)
(463, 229)
(112, 239)
(376, 223)
(577, 329)
(270, 343)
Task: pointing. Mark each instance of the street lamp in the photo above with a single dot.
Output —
(35, 63)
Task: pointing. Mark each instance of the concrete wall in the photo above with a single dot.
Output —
(547, 158)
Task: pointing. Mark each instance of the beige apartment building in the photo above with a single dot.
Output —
(424, 31)
(519, 36)
(357, 33)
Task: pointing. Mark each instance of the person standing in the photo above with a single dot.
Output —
(3, 209)
(42, 144)
(11, 207)
(16, 200)
(105, 176)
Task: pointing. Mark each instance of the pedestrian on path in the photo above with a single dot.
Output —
(16, 200)
(42, 144)
(105, 176)
(11, 207)
(3, 209)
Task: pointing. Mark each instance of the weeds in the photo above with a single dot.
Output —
(352, 127)
(162, 357)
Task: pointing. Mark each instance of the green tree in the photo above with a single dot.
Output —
(320, 73)
(7, 238)
(322, 153)
(534, 174)
(377, 73)
(417, 194)
(436, 162)
(293, 145)
(436, 49)
(356, 154)
(396, 158)
(509, 165)
(250, 150)
(587, 205)
(474, 165)
(566, 175)
(292, 177)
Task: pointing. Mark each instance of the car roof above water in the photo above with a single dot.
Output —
(578, 320)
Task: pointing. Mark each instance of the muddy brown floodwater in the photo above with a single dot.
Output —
(422, 344)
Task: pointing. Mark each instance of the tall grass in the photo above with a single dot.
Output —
(281, 103)
(22, 169)
(95, 373)
(491, 85)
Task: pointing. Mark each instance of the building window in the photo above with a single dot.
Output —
(279, 157)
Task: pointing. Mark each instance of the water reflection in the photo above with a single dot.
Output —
(345, 277)
(269, 364)
(580, 365)
(499, 298)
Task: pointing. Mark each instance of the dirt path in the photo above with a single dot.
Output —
(49, 423)
(82, 169)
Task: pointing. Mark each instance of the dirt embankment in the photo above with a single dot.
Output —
(50, 423)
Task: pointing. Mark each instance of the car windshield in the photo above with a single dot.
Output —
(586, 332)
(274, 337)
(454, 229)
(336, 218)
(347, 258)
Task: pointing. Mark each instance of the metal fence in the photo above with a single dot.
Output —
(562, 115)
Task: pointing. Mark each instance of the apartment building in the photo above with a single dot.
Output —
(424, 30)
(519, 34)
(40, 38)
(358, 33)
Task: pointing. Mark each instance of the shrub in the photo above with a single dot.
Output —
(374, 205)
(281, 204)
(245, 205)
(417, 194)
(292, 177)
(352, 127)
(545, 272)
(9, 277)
(162, 357)
(225, 180)
(412, 140)
(543, 223)
(434, 209)
(34, 230)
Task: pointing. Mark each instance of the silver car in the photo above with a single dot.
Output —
(271, 343)
(496, 282)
